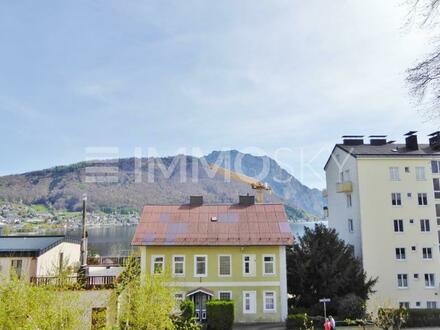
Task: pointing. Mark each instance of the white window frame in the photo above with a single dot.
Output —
(394, 196)
(436, 182)
(425, 224)
(399, 221)
(430, 284)
(437, 166)
(400, 253)
(230, 265)
(424, 197)
(224, 291)
(349, 201)
(402, 281)
(404, 304)
(350, 225)
(252, 265)
(420, 173)
(433, 304)
(174, 265)
(252, 302)
(427, 254)
(394, 173)
(195, 265)
(274, 310)
(153, 262)
(273, 264)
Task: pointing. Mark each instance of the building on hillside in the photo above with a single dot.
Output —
(33, 256)
(235, 252)
(384, 200)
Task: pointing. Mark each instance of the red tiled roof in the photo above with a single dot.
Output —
(258, 224)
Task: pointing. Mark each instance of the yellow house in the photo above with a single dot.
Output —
(384, 200)
(234, 252)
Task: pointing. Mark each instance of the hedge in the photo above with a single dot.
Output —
(423, 318)
(220, 314)
(187, 309)
(298, 322)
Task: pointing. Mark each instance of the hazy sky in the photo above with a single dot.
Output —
(250, 75)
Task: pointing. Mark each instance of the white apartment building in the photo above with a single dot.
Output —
(384, 200)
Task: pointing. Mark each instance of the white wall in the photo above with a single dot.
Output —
(29, 265)
(48, 262)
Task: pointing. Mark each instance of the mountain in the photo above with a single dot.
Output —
(128, 184)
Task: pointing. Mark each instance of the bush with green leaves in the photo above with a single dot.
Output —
(423, 318)
(393, 318)
(185, 320)
(298, 322)
(220, 314)
(350, 306)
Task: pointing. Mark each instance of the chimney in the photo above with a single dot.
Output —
(434, 140)
(411, 141)
(195, 200)
(378, 140)
(353, 140)
(246, 200)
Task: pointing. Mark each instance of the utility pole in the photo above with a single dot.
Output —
(325, 301)
(83, 256)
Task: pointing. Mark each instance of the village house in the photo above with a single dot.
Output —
(230, 251)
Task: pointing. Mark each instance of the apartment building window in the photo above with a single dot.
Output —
(424, 225)
(269, 301)
(431, 304)
(249, 302)
(422, 198)
(400, 254)
(402, 280)
(268, 265)
(249, 265)
(427, 253)
(436, 184)
(398, 226)
(17, 267)
(349, 201)
(225, 295)
(437, 213)
(178, 297)
(157, 264)
(350, 225)
(200, 266)
(394, 174)
(345, 175)
(396, 199)
(420, 173)
(429, 280)
(407, 169)
(179, 265)
(435, 166)
(224, 265)
(404, 304)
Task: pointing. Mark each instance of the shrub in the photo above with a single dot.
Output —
(187, 309)
(423, 318)
(350, 306)
(391, 317)
(185, 320)
(220, 314)
(298, 322)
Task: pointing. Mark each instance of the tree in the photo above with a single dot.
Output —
(322, 265)
(424, 77)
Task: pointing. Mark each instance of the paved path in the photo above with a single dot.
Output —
(261, 326)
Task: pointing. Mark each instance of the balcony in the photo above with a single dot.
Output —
(344, 187)
(76, 282)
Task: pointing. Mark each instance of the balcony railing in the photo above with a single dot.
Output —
(108, 261)
(87, 282)
(344, 187)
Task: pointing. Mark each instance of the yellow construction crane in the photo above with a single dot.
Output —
(259, 187)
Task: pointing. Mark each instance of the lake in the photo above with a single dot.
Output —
(116, 240)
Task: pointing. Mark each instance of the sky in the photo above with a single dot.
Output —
(284, 78)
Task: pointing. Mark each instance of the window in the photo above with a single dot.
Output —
(435, 166)
(420, 173)
(224, 265)
(349, 202)
(431, 304)
(200, 266)
(225, 295)
(398, 226)
(394, 174)
(404, 304)
(429, 280)
(268, 265)
(269, 301)
(249, 265)
(407, 170)
(179, 265)
(418, 304)
(400, 254)
(17, 267)
(402, 280)
(416, 276)
(436, 184)
(424, 225)
(413, 248)
(157, 263)
(396, 199)
(423, 198)
(437, 213)
(350, 225)
(178, 297)
(249, 302)
(427, 253)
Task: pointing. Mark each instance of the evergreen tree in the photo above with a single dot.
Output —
(322, 265)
